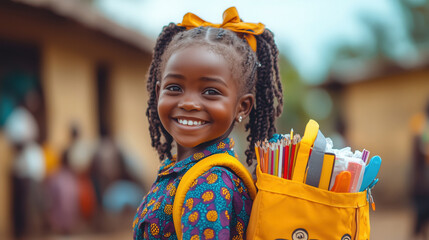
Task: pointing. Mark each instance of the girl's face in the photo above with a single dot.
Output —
(198, 100)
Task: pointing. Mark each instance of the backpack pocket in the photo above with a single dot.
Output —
(287, 209)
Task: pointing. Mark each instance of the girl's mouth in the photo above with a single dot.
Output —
(189, 122)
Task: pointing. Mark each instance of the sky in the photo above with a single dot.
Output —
(308, 32)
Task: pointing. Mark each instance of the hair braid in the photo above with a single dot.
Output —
(155, 126)
(268, 36)
(268, 87)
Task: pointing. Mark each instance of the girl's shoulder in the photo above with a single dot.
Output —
(219, 180)
(217, 200)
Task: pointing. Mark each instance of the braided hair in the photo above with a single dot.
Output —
(257, 73)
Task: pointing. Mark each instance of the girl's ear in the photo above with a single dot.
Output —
(245, 105)
(157, 89)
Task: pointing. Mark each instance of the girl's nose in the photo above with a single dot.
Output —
(189, 105)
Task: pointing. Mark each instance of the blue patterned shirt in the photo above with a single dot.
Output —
(217, 206)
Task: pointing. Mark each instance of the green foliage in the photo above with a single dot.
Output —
(294, 91)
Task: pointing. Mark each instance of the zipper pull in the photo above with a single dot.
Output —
(371, 199)
(369, 194)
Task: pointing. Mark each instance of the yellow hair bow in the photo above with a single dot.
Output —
(231, 21)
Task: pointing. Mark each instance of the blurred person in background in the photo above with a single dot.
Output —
(117, 190)
(420, 184)
(106, 168)
(70, 190)
(63, 198)
(28, 169)
(79, 154)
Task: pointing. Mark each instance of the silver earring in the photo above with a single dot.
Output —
(240, 118)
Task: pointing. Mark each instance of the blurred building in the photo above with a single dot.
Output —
(86, 68)
(376, 103)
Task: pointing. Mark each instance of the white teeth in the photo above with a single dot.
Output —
(190, 122)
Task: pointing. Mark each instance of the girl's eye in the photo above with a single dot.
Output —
(173, 88)
(211, 91)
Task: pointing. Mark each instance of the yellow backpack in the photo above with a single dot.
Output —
(288, 209)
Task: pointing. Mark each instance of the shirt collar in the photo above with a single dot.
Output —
(170, 165)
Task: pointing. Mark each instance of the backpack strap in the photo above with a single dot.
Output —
(220, 159)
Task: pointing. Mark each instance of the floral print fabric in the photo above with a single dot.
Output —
(217, 206)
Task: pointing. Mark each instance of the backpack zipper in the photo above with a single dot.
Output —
(357, 223)
(369, 194)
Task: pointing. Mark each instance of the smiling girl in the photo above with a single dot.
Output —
(204, 78)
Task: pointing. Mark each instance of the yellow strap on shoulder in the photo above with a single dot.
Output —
(220, 159)
(303, 152)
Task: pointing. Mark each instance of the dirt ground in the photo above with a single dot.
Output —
(386, 224)
(392, 224)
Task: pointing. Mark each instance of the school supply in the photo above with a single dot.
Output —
(303, 152)
(342, 182)
(286, 158)
(356, 167)
(276, 153)
(339, 166)
(365, 155)
(318, 163)
(315, 161)
(295, 140)
(371, 171)
(283, 149)
(327, 169)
